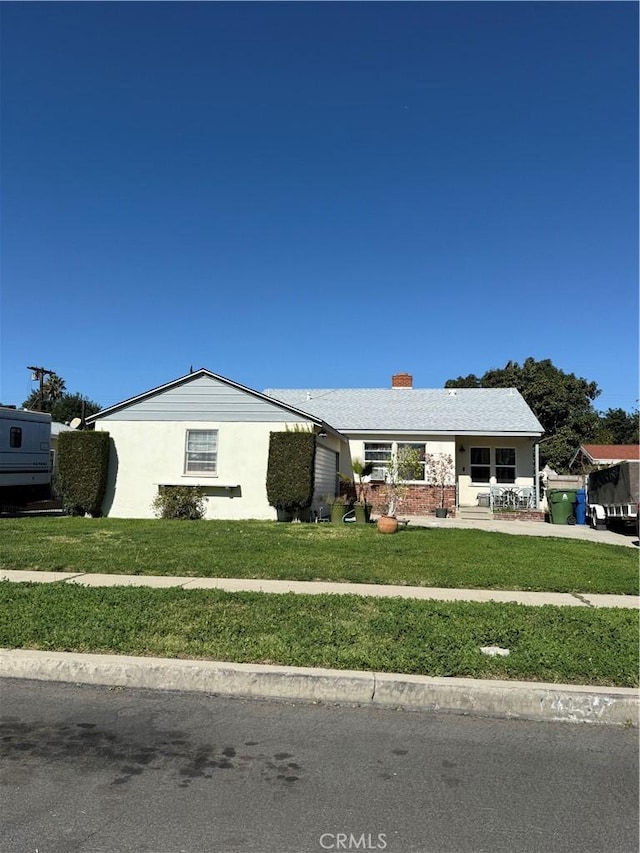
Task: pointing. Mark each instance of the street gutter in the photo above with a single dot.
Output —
(519, 699)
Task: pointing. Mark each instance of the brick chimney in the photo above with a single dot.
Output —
(402, 380)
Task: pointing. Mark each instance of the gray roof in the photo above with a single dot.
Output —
(416, 410)
(57, 428)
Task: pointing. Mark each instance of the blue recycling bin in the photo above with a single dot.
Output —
(581, 507)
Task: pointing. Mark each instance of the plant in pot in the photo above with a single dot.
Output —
(362, 508)
(403, 466)
(338, 506)
(439, 472)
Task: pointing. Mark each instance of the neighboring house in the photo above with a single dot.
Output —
(589, 456)
(207, 431)
(490, 433)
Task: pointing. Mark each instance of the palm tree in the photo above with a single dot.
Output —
(361, 469)
(47, 394)
(54, 388)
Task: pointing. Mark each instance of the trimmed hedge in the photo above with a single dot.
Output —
(83, 462)
(290, 470)
(187, 503)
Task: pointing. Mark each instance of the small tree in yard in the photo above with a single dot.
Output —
(361, 470)
(405, 465)
(439, 471)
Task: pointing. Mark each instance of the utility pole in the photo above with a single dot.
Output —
(38, 373)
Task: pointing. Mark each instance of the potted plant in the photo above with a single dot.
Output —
(362, 509)
(439, 472)
(339, 506)
(402, 467)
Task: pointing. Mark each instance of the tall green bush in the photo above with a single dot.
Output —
(290, 470)
(83, 463)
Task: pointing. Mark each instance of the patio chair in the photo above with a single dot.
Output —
(525, 498)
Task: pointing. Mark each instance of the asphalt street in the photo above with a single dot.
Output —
(112, 770)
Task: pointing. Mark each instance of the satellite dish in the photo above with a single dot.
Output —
(75, 423)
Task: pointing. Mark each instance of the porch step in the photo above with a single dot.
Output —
(475, 513)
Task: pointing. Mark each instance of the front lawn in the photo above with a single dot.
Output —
(262, 549)
(553, 644)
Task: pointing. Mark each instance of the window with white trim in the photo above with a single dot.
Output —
(379, 454)
(499, 463)
(201, 452)
(505, 464)
(480, 464)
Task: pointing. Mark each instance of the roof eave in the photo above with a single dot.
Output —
(453, 432)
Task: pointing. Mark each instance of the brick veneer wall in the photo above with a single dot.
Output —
(520, 515)
(418, 500)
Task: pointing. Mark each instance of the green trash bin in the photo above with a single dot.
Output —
(562, 505)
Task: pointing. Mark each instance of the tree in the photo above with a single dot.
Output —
(73, 406)
(361, 469)
(404, 465)
(52, 389)
(562, 402)
(618, 427)
(440, 471)
(62, 406)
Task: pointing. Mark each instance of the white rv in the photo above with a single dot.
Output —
(25, 456)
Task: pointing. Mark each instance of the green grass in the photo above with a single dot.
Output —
(254, 549)
(575, 645)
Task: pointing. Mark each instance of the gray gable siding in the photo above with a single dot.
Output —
(203, 398)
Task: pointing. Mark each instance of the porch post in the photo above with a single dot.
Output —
(537, 473)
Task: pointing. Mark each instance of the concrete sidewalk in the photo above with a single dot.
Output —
(627, 539)
(558, 599)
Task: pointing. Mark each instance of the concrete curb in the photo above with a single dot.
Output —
(529, 700)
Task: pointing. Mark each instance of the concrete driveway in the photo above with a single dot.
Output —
(533, 528)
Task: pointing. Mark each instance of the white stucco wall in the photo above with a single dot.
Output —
(147, 453)
(467, 492)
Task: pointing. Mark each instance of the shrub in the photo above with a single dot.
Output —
(83, 462)
(183, 502)
(290, 470)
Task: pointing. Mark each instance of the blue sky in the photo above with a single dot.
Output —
(318, 194)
